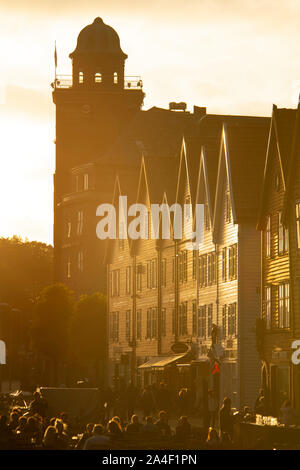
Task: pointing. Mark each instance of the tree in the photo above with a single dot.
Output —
(51, 325)
(25, 269)
(88, 333)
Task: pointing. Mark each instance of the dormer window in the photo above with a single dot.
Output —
(98, 77)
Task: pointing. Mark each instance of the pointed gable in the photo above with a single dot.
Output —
(241, 164)
(279, 146)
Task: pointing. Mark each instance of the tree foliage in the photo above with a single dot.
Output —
(88, 328)
(25, 268)
(51, 322)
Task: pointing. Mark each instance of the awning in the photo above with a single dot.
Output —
(160, 362)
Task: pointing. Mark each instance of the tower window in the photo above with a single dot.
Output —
(98, 77)
(80, 77)
(86, 181)
(115, 78)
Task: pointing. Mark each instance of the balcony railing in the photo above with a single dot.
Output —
(65, 81)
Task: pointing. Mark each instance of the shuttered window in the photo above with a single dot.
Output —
(284, 305)
(268, 306)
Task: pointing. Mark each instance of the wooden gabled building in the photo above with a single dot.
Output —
(238, 246)
(275, 332)
(189, 308)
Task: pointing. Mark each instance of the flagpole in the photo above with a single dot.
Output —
(55, 62)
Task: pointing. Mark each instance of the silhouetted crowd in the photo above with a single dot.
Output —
(126, 418)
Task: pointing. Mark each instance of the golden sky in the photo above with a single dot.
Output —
(232, 56)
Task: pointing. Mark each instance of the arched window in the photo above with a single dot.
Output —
(98, 77)
(80, 77)
(115, 78)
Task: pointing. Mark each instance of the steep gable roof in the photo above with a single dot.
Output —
(241, 163)
(279, 145)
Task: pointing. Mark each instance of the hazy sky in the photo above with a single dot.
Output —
(232, 56)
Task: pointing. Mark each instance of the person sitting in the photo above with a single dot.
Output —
(114, 429)
(85, 436)
(7, 438)
(50, 439)
(98, 440)
(149, 428)
(183, 429)
(32, 432)
(13, 420)
(134, 426)
(62, 437)
(162, 424)
(212, 438)
(38, 405)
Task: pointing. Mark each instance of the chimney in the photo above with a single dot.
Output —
(199, 111)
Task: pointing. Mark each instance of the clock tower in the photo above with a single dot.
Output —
(92, 108)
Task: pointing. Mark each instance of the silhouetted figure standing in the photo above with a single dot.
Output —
(131, 399)
(226, 419)
(147, 401)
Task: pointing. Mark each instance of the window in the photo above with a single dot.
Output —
(151, 323)
(194, 264)
(227, 207)
(194, 318)
(268, 306)
(173, 321)
(98, 77)
(77, 183)
(202, 321)
(139, 271)
(224, 321)
(232, 319)
(282, 237)
(206, 217)
(163, 322)
(224, 264)
(69, 267)
(163, 272)
(188, 208)
(128, 324)
(298, 223)
(203, 270)
(211, 271)
(284, 305)
(209, 319)
(86, 181)
(115, 78)
(80, 261)
(114, 327)
(79, 222)
(69, 227)
(139, 324)
(148, 332)
(268, 236)
(152, 274)
(183, 265)
(232, 265)
(80, 77)
(128, 280)
(173, 269)
(182, 320)
(115, 283)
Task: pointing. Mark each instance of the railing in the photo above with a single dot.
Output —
(65, 81)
